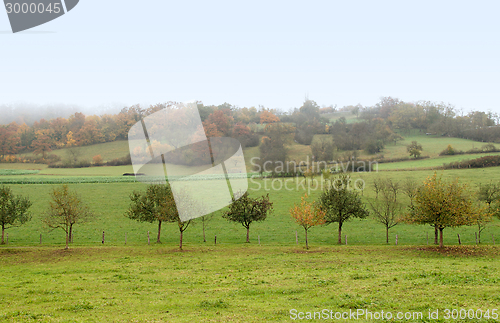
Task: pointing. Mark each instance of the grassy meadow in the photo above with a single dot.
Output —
(232, 281)
(246, 283)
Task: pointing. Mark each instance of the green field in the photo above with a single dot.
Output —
(247, 283)
(232, 281)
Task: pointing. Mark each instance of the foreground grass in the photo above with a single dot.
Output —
(240, 284)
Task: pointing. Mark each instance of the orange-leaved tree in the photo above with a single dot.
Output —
(444, 204)
(307, 215)
(268, 117)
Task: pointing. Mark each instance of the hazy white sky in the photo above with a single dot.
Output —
(269, 53)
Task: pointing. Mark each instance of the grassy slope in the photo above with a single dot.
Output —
(241, 284)
(108, 151)
(432, 145)
(349, 117)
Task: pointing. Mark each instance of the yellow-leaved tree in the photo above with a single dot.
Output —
(444, 204)
(307, 215)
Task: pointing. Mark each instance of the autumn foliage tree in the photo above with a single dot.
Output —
(9, 140)
(246, 210)
(43, 143)
(444, 204)
(268, 117)
(307, 215)
(222, 121)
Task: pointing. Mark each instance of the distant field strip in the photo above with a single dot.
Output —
(110, 179)
(8, 172)
(430, 162)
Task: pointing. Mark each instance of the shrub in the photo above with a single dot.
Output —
(127, 160)
(97, 160)
(486, 161)
(448, 151)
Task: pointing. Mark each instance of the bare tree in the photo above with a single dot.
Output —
(387, 210)
(65, 210)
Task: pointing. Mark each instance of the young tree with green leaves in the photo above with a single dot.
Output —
(414, 149)
(341, 203)
(443, 204)
(246, 210)
(65, 210)
(490, 194)
(307, 215)
(157, 204)
(13, 210)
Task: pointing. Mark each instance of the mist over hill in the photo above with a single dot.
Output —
(25, 112)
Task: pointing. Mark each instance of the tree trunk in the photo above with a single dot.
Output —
(67, 240)
(204, 240)
(479, 236)
(3, 233)
(441, 245)
(180, 240)
(248, 234)
(159, 232)
(387, 235)
(307, 245)
(340, 233)
(71, 233)
(435, 234)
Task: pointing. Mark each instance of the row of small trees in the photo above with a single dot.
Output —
(436, 202)
(156, 204)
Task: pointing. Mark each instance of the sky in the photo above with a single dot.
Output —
(269, 53)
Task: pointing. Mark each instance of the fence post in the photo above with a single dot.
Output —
(148, 239)
(459, 242)
(346, 239)
(40, 238)
(103, 237)
(215, 239)
(7, 239)
(396, 239)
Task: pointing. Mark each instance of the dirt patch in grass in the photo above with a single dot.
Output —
(459, 251)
